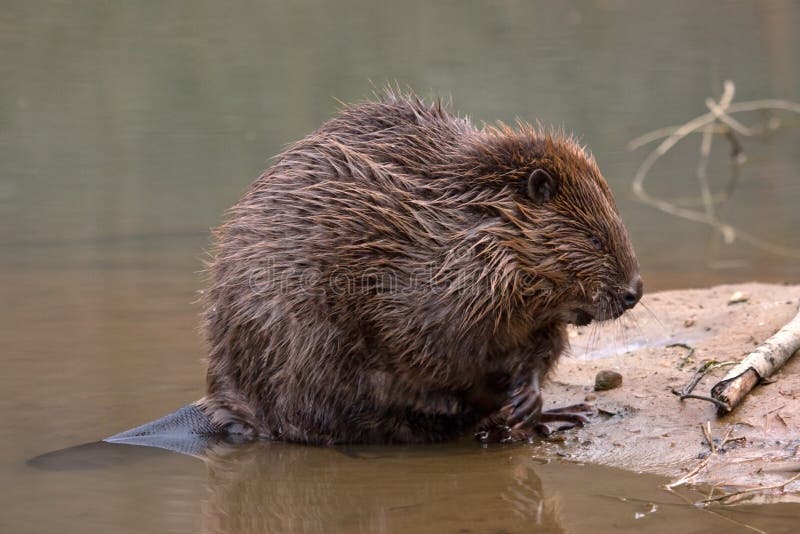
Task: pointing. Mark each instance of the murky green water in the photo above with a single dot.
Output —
(127, 128)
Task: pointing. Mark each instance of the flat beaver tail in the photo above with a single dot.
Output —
(187, 430)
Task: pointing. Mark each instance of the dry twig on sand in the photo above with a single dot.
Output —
(758, 365)
(713, 447)
(686, 391)
(714, 450)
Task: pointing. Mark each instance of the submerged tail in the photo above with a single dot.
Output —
(187, 431)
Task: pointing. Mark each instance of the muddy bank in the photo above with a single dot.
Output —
(642, 426)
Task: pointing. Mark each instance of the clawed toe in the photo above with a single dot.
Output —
(494, 434)
(564, 418)
(581, 409)
(524, 411)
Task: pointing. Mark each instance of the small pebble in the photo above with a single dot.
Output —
(590, 397)
(688, 323)
(605, 380)
(737, 297)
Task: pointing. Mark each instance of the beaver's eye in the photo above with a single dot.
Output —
(596, 243)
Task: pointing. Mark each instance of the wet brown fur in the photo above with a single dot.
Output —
(389, 279)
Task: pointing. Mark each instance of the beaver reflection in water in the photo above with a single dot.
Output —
(400, 275)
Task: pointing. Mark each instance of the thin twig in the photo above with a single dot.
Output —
(698, 375)
(716, 513)
(727, 438)
(720, 109)
(772, 411)
(707, 118)
(666, 131)
(686, 478)
(719, 113)
(728, 91)
(702, 174)
(729, 496)
(716, 402)
(707, 433)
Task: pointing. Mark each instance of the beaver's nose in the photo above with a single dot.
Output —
(634, 292)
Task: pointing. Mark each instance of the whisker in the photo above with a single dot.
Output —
(619, 335)
(592, 341)
(652, 314)
(599, 327)
(627, 324)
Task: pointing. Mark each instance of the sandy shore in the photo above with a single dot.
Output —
(642, 426)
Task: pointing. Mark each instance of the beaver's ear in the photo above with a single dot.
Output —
(542, 187)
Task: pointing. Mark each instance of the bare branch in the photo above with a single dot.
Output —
(718, 120)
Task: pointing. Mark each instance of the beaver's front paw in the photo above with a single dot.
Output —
(527, 419)
(516, 421)
(522, 417)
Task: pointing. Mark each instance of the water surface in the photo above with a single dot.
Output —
(126, 130)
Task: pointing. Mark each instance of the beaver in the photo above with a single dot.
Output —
(401, 275)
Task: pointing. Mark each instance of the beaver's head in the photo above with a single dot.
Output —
(556, 223)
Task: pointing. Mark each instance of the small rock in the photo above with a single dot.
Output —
(688, 323)
(590, 397)
(737, 297)
(605, 380)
